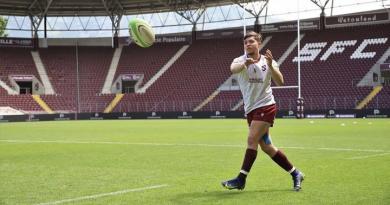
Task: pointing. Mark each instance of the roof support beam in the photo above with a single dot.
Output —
(191, 10)
(319, 3)
(322, 7)
(255, 13)
(114, 10)
(37, 11)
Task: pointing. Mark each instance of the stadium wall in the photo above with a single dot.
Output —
(74, 41)
(369, 113)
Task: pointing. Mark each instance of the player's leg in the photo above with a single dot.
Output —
(281, 159)
(266, 144)
(256, 130)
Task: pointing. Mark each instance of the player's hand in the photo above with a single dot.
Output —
(250, 61)
(268, 57)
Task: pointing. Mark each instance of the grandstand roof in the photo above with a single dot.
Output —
(100, 7)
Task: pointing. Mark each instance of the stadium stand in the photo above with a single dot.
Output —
(3, 92)
(60, 63)
(331, 69)
(382, 100)
(192, 78)
(225, 100)
(278, 44)
(331, 83)
(137, 60)
(328, 81)
(17, 61)
(25, 103)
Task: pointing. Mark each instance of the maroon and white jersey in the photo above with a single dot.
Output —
(255, 83)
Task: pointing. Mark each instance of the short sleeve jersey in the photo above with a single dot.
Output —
(255, 83)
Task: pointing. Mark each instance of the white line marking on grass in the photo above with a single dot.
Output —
(369, 156)
(192, 145)
(353, 150)
(103, 195)
(121, 143)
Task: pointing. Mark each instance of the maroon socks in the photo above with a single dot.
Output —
(283, 162)
(250, 157)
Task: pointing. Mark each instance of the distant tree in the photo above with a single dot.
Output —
(3, 25)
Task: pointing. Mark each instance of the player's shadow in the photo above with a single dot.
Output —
(184, 198)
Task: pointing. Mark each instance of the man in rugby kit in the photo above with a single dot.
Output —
(254, 73)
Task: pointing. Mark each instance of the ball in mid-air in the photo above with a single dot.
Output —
(141, 32)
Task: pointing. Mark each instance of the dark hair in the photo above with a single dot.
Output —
(257, 36)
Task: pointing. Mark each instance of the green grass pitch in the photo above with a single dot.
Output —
(346, 161)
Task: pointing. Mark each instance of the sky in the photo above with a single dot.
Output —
(278, 10)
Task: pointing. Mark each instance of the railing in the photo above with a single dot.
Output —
(93, 107)
(164, 106)
(310, 103)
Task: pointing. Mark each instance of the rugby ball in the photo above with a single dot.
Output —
(141, 32)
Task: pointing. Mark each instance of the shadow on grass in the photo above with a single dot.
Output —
(222, 195)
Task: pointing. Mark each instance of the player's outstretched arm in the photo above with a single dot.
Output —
(277, 76)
